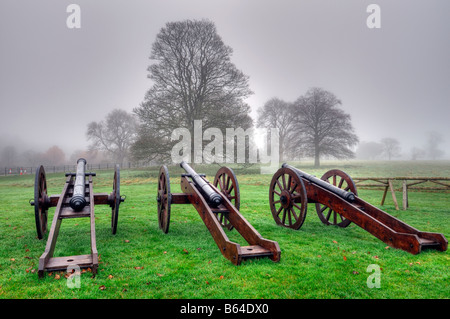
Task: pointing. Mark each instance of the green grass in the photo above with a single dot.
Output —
(140, 261)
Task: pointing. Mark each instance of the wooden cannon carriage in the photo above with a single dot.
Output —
(337, 203)
(77, 200)
(218, 206)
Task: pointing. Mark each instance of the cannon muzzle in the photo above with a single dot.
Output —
(213, 198)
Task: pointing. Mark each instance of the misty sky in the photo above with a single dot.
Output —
(394, 81)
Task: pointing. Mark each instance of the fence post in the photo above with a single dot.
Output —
(391, 186)
(405, 195)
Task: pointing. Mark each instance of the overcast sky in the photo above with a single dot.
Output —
(394, 81)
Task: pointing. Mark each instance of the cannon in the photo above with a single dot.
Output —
(212, 197)
(77, 200)
(337, 203)
(217, 204)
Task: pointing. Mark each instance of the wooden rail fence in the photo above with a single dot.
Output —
(434, 184)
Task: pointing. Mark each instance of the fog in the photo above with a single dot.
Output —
(393, 80)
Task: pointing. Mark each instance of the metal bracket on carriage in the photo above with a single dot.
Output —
(43, 201)
(189, 175)
(85, 174)
(112, 199)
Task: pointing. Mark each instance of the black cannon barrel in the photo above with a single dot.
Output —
(78, 201)
(348, 196)
(212, 197)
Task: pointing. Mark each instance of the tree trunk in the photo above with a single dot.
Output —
(316, 160)
(316, 154)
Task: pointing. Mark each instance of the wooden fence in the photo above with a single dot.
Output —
(432, 184)
(22, 170)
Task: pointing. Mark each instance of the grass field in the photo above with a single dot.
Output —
(140, 261)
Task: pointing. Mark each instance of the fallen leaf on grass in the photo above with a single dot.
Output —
(110, 277)
(137, 267)
(355, 272)
(185, 251)
(345, 258)
(126, 240)
(160, 275)
(334, 241)
(102, 287)
(221, 277)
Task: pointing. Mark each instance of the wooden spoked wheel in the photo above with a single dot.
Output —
(227, 183)
(164, 199)
(343, 181)
(115, 200)
(287, 198)
(41, 202)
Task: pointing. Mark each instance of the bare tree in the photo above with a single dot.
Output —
(31, 158)
(194, 79)
(322, 128)
(114, 135)
(417, 153)
(432, 147)
(278, 114)
(391, 147)
(53, 156)
(369, 150)
(9, 156)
